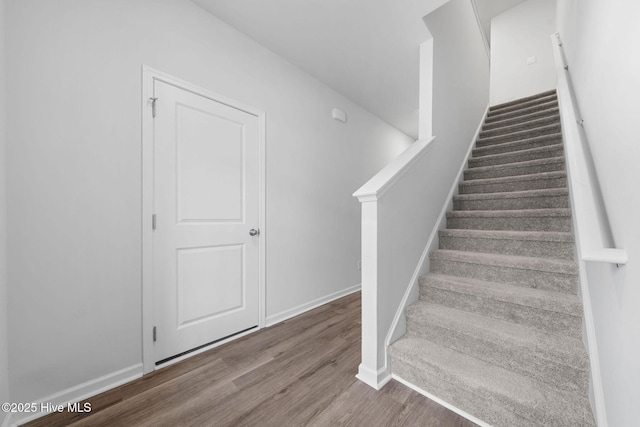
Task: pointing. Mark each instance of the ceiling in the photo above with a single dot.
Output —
(367, 50)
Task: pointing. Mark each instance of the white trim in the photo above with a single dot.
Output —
(590, 331)
(483, 35)
(383, 180)
(373, 379)
(149, 75)
(423, 263)
(589, 325)
(441, 402)
(83, 391)
(302, 308)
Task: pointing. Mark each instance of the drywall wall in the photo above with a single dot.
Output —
(4, 360)
(517, 35)
(600, 45)
(74, 164)
(460, 90)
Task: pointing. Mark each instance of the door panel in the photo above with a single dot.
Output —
(206, 198)
(209, 193)
(210, 282)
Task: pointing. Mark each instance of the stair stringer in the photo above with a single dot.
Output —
(411, 295)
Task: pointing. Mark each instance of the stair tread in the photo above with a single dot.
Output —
(522, 104)
(523, 164)
(559, 266)
(515, 178)
(514, 136)
(493, 111)
(522, 118)
(554, 118)
(509, 146)
(558, 302)
(518, 152)
(536, 96)
(538, 402)
(498, 115)
(545, 192)
(558, 348)
(552, 212)
(545, 236)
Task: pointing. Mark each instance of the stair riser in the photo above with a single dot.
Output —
(535, 184)
(526, 125)
(512, 203)
(499, 116)
(513, 170)
(433, 382)
(532, 133)
(513, 157)
(522, 105)
(521, 119)
(530, 248)
(541, 367)
(512, 223)
(542, 320)
(537, 279)
(510, 147)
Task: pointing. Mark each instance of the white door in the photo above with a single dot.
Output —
(206, 201)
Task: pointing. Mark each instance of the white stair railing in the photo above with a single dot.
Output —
(590, 217)
(397, 207)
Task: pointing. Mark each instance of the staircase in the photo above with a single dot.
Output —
(497, 331)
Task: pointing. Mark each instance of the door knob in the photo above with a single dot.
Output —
(254, 232)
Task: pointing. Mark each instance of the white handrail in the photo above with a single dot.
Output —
(383, 180)
(583, 183)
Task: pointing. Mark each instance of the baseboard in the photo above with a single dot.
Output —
(81, 392)
(374, 379)
(441, 402)
(295, 311)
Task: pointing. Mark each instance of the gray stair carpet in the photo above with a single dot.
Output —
(497, 330)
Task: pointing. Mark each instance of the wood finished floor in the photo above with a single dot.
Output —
(297, 373)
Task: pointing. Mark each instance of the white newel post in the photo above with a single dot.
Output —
(371, 364)
(372, 369)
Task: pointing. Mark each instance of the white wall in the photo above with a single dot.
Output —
(4, 379)
(600, 40)
(516, 35)
(460, 82)
(74, 165)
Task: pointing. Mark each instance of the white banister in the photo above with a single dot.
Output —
(590, 217)
(394, 211)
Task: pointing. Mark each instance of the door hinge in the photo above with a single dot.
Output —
(155, 336)
(153, 221)
(153, 106)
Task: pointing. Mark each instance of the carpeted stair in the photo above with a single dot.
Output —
(497, 331)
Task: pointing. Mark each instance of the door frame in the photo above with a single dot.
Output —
(149, 76)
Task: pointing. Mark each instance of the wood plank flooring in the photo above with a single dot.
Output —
(297, 373)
